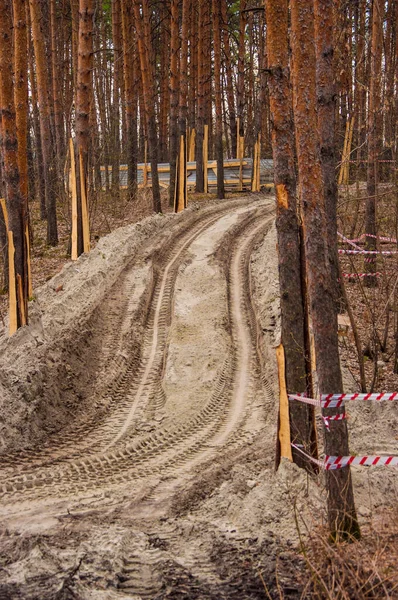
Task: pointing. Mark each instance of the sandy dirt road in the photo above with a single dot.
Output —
(141, 463)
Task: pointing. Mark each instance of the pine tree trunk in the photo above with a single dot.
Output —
(45, 116)
(326, 98)
(14, 200)
(341, 508)
(201, 99)
(142, 25)
(287, 223)
(373, 138)
(229, 78)
(174, 93)
(217, 95)
(115, 115)
(130, 96)
(83, 102)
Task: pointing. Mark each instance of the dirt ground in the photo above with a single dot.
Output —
(138, 417)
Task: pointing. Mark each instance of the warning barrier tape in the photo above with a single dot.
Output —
(381, 238)
(339, 417)
(337, 462)
(347, 241)
(330, 463)
(316, 461)
(376, 397)
(385, 252)
(349, 275)
(336, 400)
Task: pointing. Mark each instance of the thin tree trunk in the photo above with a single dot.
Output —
(341, 508)
(229, 86)
(45, 116)
(174, 93)
(130, 96)
(83, 102)
(145, 52)
(217, 95)
(201, 98)
(287, 223)
(326, 99)
(373, 137)
(115, 117)
(14, 200)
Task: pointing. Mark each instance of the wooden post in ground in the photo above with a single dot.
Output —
(73, 185)
(256, 166)
(206, 158)
(343, 157)
(30, 285)
(83, 195)
(191, 154)
(12, 295)
(145, 173)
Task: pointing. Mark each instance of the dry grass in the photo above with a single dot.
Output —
(353, 571)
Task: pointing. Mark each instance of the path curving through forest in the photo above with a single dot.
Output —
(174, 364)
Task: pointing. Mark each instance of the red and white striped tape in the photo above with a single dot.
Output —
(339, 417)
(338, 462)
(330, 463)
(384, 252)
(381, 238)
(347, 241)
(360, 275)
(336, 400)
(303, 398)
(372, 397)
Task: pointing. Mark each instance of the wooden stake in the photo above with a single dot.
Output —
(348, 152)
(238, 146)
(145, 165)
(192, 137)
(343, 158)
(284, 423)
(73, 185)
(21, 300)
(83, 192)
(256, 167)
(206, 158)
(182, 174)
(30, 285)
(5, 213)
(12, 296)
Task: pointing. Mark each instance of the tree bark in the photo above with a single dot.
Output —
(145, 53)
(373, 138)
(341, 508)
(83, 102)
(287, 224)
(130, 96)
(14, 200)
(174, 93)
(217, 96)
(43, 93)
(326, 105)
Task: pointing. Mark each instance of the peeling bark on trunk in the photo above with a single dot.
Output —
(341, 508)
(130, 96)
(83, 100)
(144, 48)
(45, 115)
(326, 104)
(218, 103)
(174, 93)
(373, 137)
(11, 175)
(287, 223)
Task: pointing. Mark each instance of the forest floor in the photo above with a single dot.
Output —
(138, 420)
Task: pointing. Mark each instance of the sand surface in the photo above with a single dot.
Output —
(138, 416)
